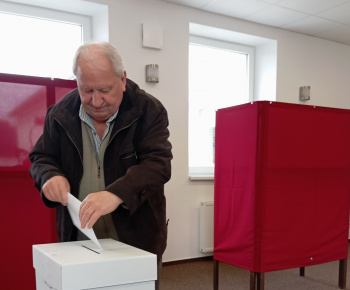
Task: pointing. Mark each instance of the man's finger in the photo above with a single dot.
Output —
(64, 197)
(93, 220)
(81, 209)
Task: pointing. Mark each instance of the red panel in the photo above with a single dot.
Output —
(60, 92)
(295, 212)
(22, 114)
(235, 184)
(25, 220)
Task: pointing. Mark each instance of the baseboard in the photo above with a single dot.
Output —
(207, 258)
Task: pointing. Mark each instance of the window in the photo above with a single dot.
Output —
(220, 75)
(40, 42)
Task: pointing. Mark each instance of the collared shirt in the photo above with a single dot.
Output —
(85, 117)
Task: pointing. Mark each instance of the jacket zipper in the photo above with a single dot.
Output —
(110, 139)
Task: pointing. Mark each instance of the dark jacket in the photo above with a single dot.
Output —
(136, 165)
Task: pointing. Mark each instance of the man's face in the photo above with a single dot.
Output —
(100, 89)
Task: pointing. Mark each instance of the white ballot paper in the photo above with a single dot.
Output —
(73, 208)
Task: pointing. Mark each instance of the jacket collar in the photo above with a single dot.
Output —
(129, 110)
(66, 112)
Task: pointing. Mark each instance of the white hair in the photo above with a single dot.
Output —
(104, 47)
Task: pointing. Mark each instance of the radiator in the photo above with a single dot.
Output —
(206, 227)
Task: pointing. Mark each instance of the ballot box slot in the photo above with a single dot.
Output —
(90, 249)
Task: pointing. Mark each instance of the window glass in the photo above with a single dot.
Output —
(37, 47)
(218, 78)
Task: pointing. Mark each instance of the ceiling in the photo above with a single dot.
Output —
(327, 19)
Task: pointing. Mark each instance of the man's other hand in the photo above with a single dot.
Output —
(56, 189)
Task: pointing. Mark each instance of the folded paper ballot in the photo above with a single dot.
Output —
(73, 208)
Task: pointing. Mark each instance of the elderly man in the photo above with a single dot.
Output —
(106, 142)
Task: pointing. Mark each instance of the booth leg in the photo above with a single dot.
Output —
(342, 273)
(216, 274)
(260, 281)
(252, 280)
(256, 281)
(302, 271)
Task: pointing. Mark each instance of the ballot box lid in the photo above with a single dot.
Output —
(75, 265)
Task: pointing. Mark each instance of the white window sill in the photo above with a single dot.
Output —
(201, 177)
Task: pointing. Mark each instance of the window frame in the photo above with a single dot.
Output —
(51, 15)
(207, 173)
(232, 46)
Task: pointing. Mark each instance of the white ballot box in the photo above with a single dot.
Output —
(78, 265)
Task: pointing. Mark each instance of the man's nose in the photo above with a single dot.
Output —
(97, 99)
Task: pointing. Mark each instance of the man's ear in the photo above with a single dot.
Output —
(124, 81)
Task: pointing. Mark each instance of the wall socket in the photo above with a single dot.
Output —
(304, 93)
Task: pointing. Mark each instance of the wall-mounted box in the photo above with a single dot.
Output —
(152, 36)
(70, 265)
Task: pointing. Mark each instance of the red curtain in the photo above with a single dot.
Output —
(282, 185)
(25, 220)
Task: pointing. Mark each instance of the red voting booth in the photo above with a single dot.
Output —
(25, 221)
(282, 187)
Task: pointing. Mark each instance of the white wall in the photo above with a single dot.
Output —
(301, 61)
(265, 72)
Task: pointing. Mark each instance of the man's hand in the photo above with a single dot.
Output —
(56, 189)
(96, 205)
